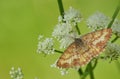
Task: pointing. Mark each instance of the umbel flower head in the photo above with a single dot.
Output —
(16, 73)
(72, 16)
(45, 46)
(98, 21)
(116, 27)
(65, 30)
(112, 51)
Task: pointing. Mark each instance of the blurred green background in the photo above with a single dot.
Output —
(21, 21)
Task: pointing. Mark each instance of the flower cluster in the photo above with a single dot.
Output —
(65, 29)
(63, 32)
(116, 27)
(16, 73)
(72, 16)
(64, 71)
(45, 46)
(98, 21)
(112, 51)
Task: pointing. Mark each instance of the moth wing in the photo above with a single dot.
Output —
(96, 41)
(79, 55)
(72, 56)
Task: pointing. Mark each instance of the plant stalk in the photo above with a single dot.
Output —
(114, 39)
(58, 51)
(114, 15)
(91, 70)
(78, 30)
(80, 71)
(61, 9)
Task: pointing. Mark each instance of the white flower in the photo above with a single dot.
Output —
(61, 30)
(72, 15)
(64, 72)
(64, 33)
(46, 46)
(112, 51)
(54, 64)
(16, 73)
(65, 42)
(98, 21)
(60, 19)
(116, 27)
(65, 30)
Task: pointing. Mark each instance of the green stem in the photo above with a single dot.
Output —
(91, 70)
(84, 75)
(58, 51)
(114, 39)
(61, 9)
(78, 30)
(95, 64)
(114, 15)
(80, 71)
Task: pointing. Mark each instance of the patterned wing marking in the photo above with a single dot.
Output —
(80, 53)
(98, 40)
(66, 58)
(70, 57)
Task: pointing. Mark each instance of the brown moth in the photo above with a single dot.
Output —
(85, 48)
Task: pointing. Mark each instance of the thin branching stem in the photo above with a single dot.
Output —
(114, 39)
(58, 51)
(80, 71)
(95, 64)
(78, 30)
(114, 15)
(84, 75)
(91, 70)
(61, 9)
